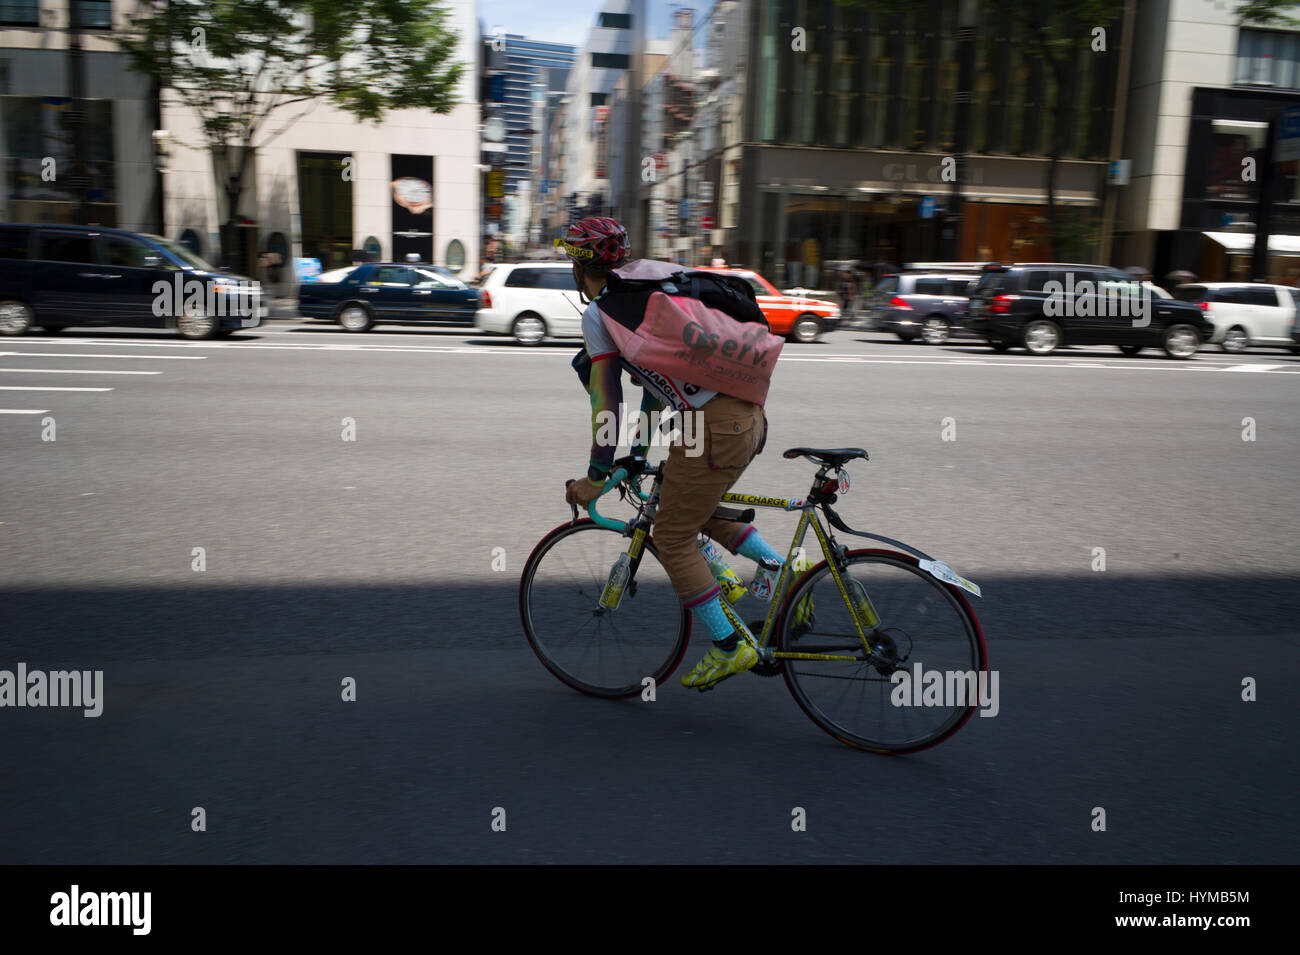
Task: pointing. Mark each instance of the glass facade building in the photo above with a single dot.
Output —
(850, 128)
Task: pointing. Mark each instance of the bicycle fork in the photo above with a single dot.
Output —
(622, 576)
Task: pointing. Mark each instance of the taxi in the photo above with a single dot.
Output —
(800, 319)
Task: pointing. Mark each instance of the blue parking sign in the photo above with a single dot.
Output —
(927, 207)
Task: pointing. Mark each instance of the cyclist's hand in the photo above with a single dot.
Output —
(583, 491)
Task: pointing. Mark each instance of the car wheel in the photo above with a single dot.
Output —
(15, 317)
(354, 317)
(1042, 337)
(1130, 349)
(935, 330)
(1000, 346)
(1235, 340)
(1181, 341)
(196, 323)
(806, 328)
(528, 329)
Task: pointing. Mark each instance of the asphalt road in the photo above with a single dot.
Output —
(372, 560)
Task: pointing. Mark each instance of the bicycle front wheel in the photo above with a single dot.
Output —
(605, 653)
(925, 627)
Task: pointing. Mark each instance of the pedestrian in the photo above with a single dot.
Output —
(792, 263)
(848, 292)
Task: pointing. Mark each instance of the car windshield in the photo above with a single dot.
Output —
(1190, 293)
(182, 253)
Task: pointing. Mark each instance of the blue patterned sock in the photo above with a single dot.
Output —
(756, 549)
(707, 608)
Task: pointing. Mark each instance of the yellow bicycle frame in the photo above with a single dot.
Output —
(808, 519)
(864, 615)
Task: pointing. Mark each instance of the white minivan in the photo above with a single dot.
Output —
(1246, 314)
(531, 301)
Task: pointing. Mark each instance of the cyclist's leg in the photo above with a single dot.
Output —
(693, 485)
(691, 490)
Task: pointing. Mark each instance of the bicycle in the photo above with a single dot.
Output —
(605, 641)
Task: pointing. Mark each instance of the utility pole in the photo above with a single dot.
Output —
(633, 145)
(1117, 131)
(1264, 210)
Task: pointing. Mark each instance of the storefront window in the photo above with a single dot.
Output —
(40, 162)
(1234, 141)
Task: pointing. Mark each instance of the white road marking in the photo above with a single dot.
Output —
(23, 410)
(374, 344)
(37, 354)
(40, 388)
(72, 371)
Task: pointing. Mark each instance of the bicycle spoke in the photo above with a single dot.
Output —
(921, 624)
(605, 653)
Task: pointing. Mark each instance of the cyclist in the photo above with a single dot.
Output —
(692, 485)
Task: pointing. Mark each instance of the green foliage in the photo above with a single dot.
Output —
(238, 62)
(1267, 13)
(1076, 234)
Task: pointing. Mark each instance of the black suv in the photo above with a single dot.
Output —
(925, 304)
(55, 276)
(1047, 305)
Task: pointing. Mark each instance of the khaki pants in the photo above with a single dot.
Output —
(734, 432)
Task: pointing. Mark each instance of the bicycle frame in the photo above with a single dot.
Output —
(864, 614)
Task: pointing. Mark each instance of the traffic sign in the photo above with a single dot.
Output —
(927, 207)
(1287, 146)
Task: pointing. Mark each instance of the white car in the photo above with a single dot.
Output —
(531, 301)
(1246, 314)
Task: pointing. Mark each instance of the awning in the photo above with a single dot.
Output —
(1244, 242)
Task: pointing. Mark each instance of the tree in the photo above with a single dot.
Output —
(239, 64)
(1267, 13)
(1052, 34)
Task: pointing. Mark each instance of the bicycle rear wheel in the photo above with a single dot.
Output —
(923, 622)
(605, 653)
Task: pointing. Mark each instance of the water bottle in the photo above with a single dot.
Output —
(764, 582)
(861, 603)
(612, 595)
(733, 588)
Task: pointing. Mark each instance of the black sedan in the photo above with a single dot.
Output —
(388, 293)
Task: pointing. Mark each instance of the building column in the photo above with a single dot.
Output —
(782, 200)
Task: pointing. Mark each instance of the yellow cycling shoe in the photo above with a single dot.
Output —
(718, 664)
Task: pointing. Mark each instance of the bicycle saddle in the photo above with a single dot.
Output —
(831, 457)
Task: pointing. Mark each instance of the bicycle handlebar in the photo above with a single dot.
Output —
(619, 475)
(614, 480)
